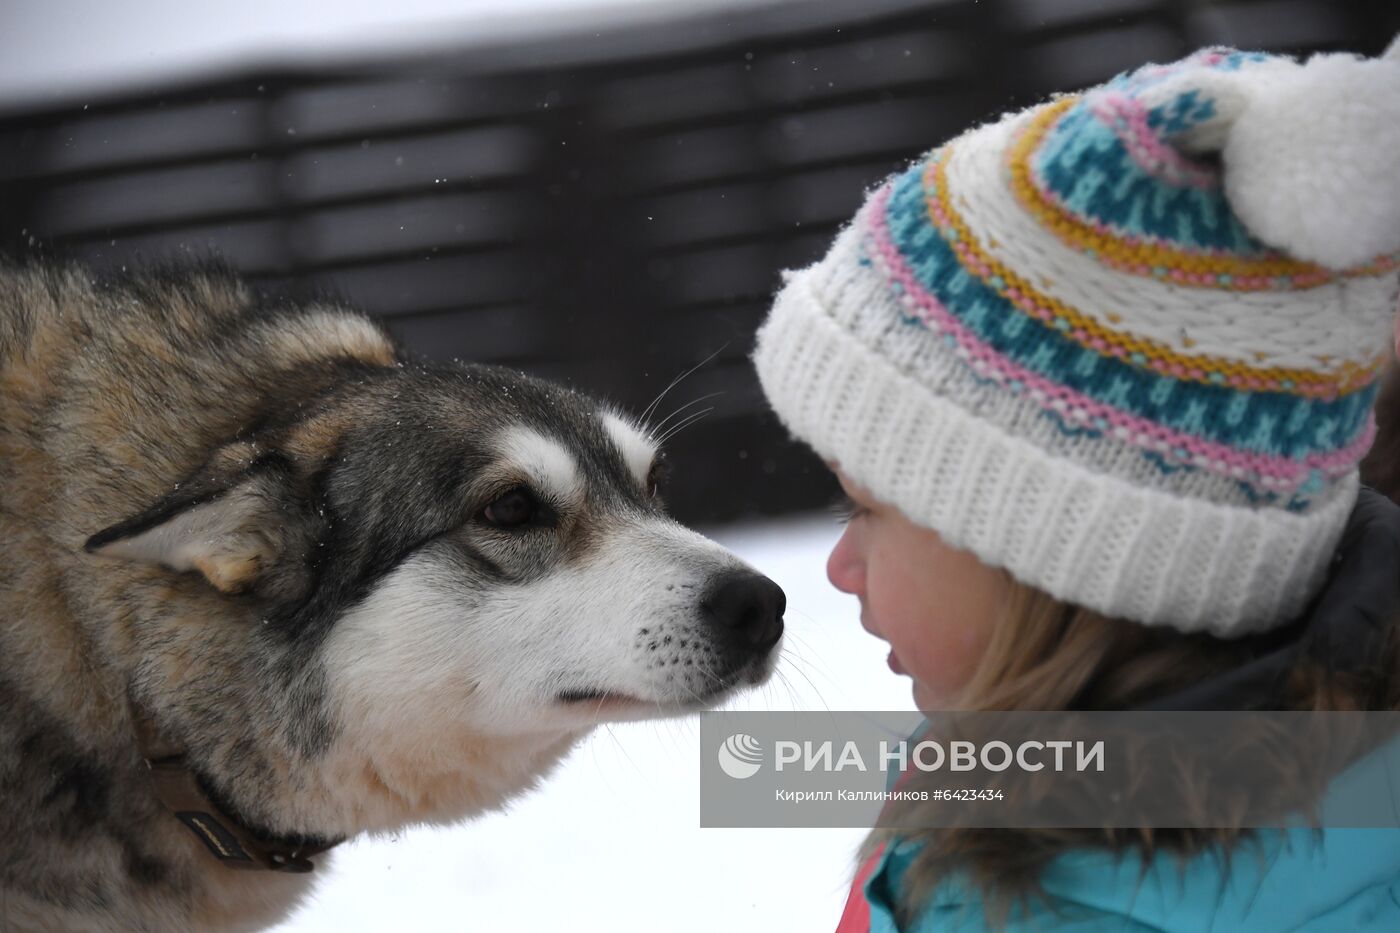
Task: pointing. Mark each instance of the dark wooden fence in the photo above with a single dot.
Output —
(609, 209)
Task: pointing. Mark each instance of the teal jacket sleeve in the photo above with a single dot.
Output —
(1303, 881)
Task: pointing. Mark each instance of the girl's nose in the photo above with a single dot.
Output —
(844, 567)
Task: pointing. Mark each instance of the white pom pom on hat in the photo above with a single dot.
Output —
(1312, 165)
(1310, 152)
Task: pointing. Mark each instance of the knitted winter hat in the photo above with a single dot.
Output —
(1124, 344)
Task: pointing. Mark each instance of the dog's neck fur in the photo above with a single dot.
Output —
(353, 786)
(236, 843)
(161, 877)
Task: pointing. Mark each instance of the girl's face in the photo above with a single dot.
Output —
(933, 604)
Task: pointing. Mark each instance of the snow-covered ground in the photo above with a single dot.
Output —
(612, 841)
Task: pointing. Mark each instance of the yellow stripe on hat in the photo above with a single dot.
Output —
(1192, 269)
(1133, 348)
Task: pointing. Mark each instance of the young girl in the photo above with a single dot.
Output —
(1096, 379)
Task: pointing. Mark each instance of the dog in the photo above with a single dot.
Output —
(268, 584)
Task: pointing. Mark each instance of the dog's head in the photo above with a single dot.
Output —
(465, 548)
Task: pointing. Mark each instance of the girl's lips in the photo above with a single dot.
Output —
(895, 665)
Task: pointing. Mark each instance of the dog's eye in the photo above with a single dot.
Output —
(515, 508)
(658, 475)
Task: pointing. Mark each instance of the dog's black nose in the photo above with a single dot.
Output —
(748, 605)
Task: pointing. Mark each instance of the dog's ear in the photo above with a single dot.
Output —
(242, 520)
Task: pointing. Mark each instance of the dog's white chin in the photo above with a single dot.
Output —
(611, 706)
(617, 707)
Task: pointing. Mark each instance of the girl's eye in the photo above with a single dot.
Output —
(512, 510)
(847, 509)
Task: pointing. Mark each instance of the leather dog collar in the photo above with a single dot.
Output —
(230, 841)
